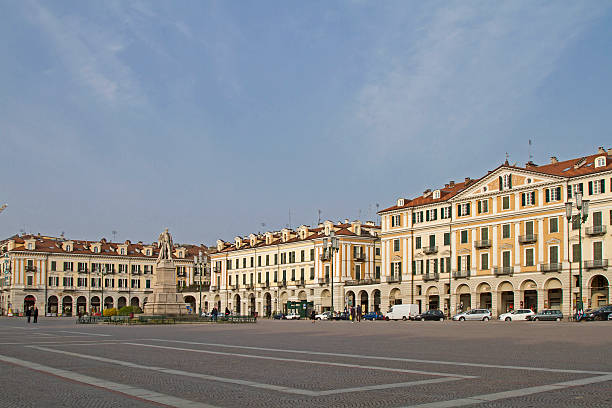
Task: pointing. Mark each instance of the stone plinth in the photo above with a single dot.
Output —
(165, 299)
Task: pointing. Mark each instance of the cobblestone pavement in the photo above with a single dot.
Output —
(57, 363)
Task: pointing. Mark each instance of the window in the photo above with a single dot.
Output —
(483, 206)
(431, 215)
(553, 254)
(228, 264)
(259, 260)
(597, 251)
(293, 274)
(553, 194)
(597, 187)
(505, 182)
(447, 238)
(529, 257)
(463, 209)
(396, 269)
(484, 233)
(464, 263)
(312, 273)
(358, 272)
(573, 189)
(237, 263)
(575, 222)
(30, 280)
(396, 245)
(135, 283)
(464, 236)
(377, 251)
(600, 162)
(122, 268)
(506, 256)
(326, 271)
(302, 255)
(396, 220)
(506, 231)
(553, 224)
(445, 213)
(484, 261)
(417, 242)
(417, 217)
(312, 251)
(53, 281)
(528, 199)
(68, 266)
(506, 203)
(275, 259)
(597, 219)
(148, 284)
(53, 265)
(122, 251)
(67, 281)
(576, 253)
(432, 240)
(528, 227)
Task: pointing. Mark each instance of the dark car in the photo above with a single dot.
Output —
(547, 314)
(599, 314)
(279, 316)
(374, 316)
(341, 316)
(430, 315)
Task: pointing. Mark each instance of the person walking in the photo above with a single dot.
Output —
(28, 313)
(359, 313)
(215, 312)
(313, 316)
(35, 314)
(353, 314)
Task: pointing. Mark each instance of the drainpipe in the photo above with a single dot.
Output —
(450, 271)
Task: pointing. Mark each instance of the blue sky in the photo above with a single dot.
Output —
(213, 118)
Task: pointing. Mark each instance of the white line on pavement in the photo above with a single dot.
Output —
(254, 384)
(521, 392)
(292, 360)
(21, 343)
(84, 333)
(139, 393)
(408, 360)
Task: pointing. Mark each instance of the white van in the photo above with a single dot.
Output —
(403, 312)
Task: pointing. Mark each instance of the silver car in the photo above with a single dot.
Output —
(474, 314)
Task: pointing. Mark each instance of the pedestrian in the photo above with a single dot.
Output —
(358, 313)
(313, 316)
(215, 312)
(353, 314)
(35, 314)
(227, 311)
(28, 313)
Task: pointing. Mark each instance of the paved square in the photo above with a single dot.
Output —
(297, 363)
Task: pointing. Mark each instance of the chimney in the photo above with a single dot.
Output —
(553, 160)
(452, 183)
(601, 150)
(426, 192)
(530, 163)
(467, 179)
(610, 152)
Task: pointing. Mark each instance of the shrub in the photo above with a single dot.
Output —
(126, 310)
(110, 312)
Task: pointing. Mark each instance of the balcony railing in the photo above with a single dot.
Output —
(596, 230)
(282, 284)
(503, 270)
(483, 243)
(430, 250)
(596, 263)
(30, 268)
(68, 288)
(528, 239)
(181, 274)
(323, 281)
(551, 267)
(249, 286)
(301, 282)
(136, 272)
(216, 269)
(394, 278)
(462, 274)
(359, 256)
(233, 287)
(351, 282)
(325, 257)
(214, 288)
(432, 276)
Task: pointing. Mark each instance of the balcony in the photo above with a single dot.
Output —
(68, 288)
(429, 250)
(596, 230)
(324, 281)
(359, 256)
(394, 279)
(325, 257)
(82, 270)
(181, 274)
(432, 276)
(596, 264)
(249, 286)
(462, 274)
(483, 243)
(351, 282)
(126, 289)
(503, 270)
(233, 287)
(216, 269)
(282, 284)
(214, 288)
(30, 268)
(528, 239)
(550, 267)
(136, 272)
(301, 282)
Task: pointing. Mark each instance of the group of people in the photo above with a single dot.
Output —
(354, 314)
(32, 313)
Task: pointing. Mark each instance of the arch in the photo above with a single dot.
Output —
(121, 302)
(432, 290)
(267, 304)
(484, 296)
(302, 295)
(505, 286)
(599, 288)
(237, 304)
(364, 301)
(284, 297)
(464, 297)
(350, 298)
(462, 289)
(528, 284)
(190, 300)
(67, 306)
(218, 303)
(326, 299)
(252, 304)
(52, 305)
(376, 296)
(483, 288)
(135, 302)
(94, 304)
(81, 305)
(108, 302)
(553, 283)
(28, 302)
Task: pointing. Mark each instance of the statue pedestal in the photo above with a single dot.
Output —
(165, 300)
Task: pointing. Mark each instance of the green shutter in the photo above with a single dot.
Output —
(510, 181)
(468, 209)
(533, 198)
(501, 184)
(523, 199)
(558, 193)
(479, 207)
(590, 188)
(603, 186)
(547, 195)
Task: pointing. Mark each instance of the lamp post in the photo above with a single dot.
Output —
(199, 263)
(331, 245)
(583, 213)
(102, 273)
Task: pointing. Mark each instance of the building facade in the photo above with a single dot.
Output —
(64, 277)
(291, 270)
(503, 241)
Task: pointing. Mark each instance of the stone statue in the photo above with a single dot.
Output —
(164, 243)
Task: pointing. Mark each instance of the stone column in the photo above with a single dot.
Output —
(494, 302)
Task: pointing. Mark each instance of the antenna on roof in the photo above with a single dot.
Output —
(290, 218)
(114, 235)
(530, 156)
(319, 216)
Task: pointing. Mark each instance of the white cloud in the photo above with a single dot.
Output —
(90, 52)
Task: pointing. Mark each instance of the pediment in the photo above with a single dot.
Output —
(506, 246)
(520, 178)
(464, 251)
(553, 241)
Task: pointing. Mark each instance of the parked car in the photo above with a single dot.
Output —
(324, 316)
(547, 314)
(610, 316)
(430, 315)
(279, 316)
(403, 312)
(374, 316)
(518, 314)
(341, 316)
(602, 313)
(474, 314)
(293, 316)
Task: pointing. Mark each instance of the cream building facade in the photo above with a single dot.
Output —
(503, 241)
(290, 270)
(64, 277)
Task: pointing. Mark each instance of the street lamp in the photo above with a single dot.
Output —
(583, 213)
(330, 246)
(102, 273)
(199, 263)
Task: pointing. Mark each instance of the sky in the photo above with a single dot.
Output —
(218, 119)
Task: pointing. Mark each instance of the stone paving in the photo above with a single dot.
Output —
(58, 363)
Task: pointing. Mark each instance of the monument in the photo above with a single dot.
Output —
(166, 300)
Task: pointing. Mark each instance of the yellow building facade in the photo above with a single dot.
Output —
(266, 273)
(503, 241)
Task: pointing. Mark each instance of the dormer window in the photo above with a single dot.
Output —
(600, 162)
(122, 251)
(148, 252)
(436, 194)
(30, 246)
(400, 202)
(506, 182)
(68, 248)
(96, 249)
